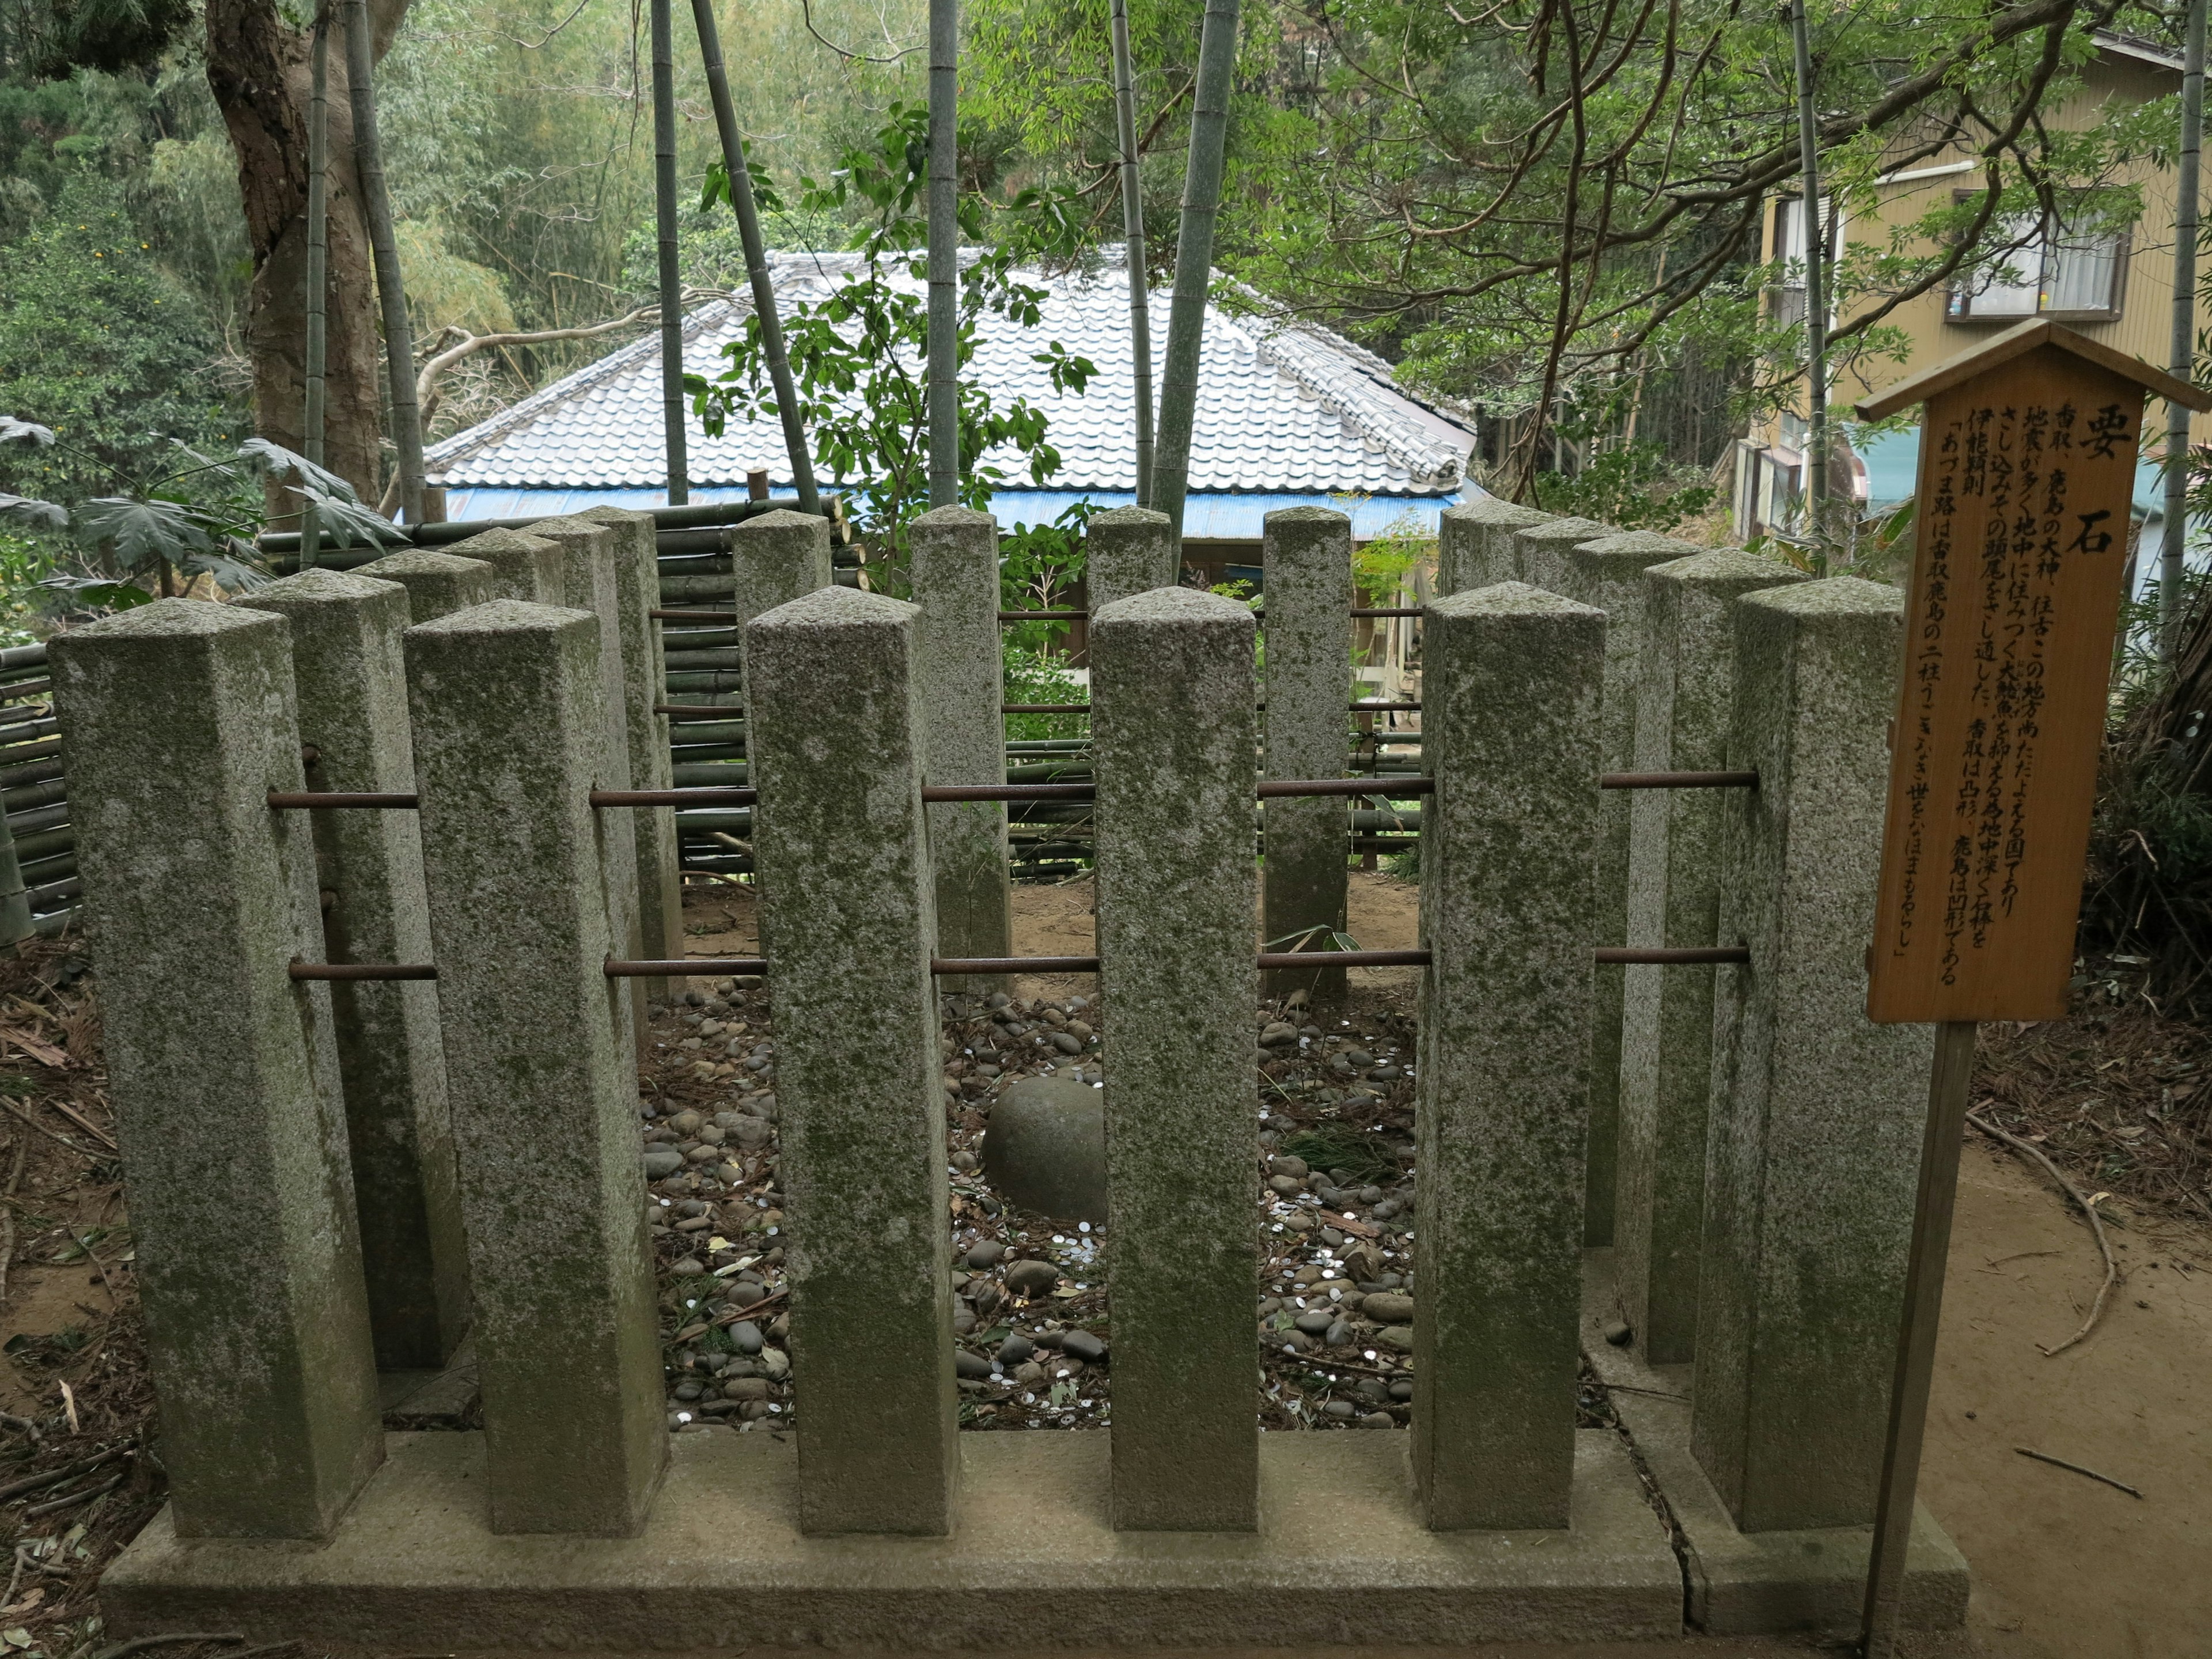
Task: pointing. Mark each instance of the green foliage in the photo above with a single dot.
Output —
(26, 562)
(857, 357)
(1340, 1148)
(1033, 676)
(1380, 567)
(202, 517)
(98, 343)
(1632, 486)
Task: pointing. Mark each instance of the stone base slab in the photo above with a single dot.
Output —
(1743, 1583)
(1338, 1558)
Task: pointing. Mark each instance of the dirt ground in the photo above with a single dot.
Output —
(2066, 1566)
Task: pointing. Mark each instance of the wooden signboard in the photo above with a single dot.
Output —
(2027, 462)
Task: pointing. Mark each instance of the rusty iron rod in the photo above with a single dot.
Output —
(681, 965)
(702, 795)
(1679, 781)
(1276, 787)
(958, 965)
(318, 798)
(692, 615)
(363, 970)
(1672, 955)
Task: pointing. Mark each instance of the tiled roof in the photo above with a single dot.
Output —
(1282, 408)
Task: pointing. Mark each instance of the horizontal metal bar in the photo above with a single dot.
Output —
(363, 970)
(1679, 781)
(1014, 965)
(681, 965)
(1391, 610)
(1044, 707)
(319, 798)
(692, 615)
(1673, 955)
(1011, 791)
(1273, 788)
(703, 795)
(1344, 958)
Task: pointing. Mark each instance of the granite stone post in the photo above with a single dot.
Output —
(1308, 562)
(1814, 1145)
(1540, 551)
(524, 567)
(510, 733)
(1511, 687)
(352, 699)
(1684, 683)
(1475, 543)
(776, 558)
(591, 580)
(1172, 714)
(956, 583)
(1608, 573)
(179, 719)
(659, 871)
(1128, 550)
(437, 583)
(847, 901)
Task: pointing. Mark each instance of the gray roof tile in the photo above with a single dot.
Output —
(1281, 406)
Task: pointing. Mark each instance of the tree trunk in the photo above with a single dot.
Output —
(258, 69)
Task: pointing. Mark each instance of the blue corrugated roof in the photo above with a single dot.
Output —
(1286, 410)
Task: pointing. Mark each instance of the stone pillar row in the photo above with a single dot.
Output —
(275, 1133)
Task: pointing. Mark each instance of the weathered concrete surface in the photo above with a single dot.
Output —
(1752, 1583)
(1608, 573)
(179, 719)
(1540, 551)
(1046, 1148)
(415, 1570)
(508, 706)
(659, 875)
(591, 580)
(1511, 681)
(1685, 685)
(1127, 551)
(845, 916)
(776, 558)
(1813, 1145)
(1475, 543)
(437, 583)
(1172, 698)
(352, 695)
(956, 583)
(1308, 560)
(524, 567)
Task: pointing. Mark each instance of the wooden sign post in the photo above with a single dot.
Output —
(2027, 462)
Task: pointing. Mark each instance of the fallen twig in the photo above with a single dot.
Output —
(2096, 1224)
(74, 1498)
(173, 1639)
(2060, 1463)
(54, 1135)
(67, 1472)
(84, 1123)
(731, 1316)
(7, 1221)
(23, 1423)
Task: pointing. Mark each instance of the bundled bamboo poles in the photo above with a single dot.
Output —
(747, 211)
(1201, 198)
(390, 288)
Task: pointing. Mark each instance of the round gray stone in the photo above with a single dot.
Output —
(1046, 1148)
(661, 1161)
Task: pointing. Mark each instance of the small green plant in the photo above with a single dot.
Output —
(1034, 676)
(1338, 1148)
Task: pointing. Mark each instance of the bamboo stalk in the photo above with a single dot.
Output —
(1816, 307)
(749, 234)
(1132, 238)
(2182, 347)
(391, 287)
(672, 270)
(319, 232)
(1201, 200)
(944, 383)
(14, 901)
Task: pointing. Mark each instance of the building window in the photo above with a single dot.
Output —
(1789, 251)
(2052, 271)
